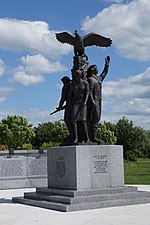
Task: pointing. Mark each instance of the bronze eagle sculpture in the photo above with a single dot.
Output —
(80, 42)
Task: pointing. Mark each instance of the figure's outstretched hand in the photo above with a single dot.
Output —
(107, 60)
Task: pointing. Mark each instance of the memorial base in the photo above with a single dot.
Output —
(69, 200)
(85, 167)
(84, 177)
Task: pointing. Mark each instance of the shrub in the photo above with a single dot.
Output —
(3, 147)
(46, 145)
(27, 146)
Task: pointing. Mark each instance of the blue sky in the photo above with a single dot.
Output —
(32, 61)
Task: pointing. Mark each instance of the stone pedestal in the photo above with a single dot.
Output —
(85, 167)
(84, 177)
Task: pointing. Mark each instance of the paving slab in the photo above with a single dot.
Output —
(18, 214)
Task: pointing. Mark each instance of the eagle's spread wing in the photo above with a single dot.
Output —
(65, 37)
(96, 39)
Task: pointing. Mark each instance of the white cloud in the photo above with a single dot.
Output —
(31, 36)
(26, 79)
(128, 97)
(5, 112)
(127, 25)
(142, 79)
(137, 111)
(137, 120)
(2, 99)
(136, 106)
(4, 91)
(34, 115)
(39, 64)
(134, 86)
(37, 115)
(2, 67)
(33, 68)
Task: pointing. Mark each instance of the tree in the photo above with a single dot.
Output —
(133, 138)
(145, 143)
(106, 135)
(6, 135)
(15, 131)
(51, 133)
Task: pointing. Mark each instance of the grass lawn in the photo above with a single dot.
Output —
(137, 172)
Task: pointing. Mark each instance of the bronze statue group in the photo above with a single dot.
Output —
(81, 96)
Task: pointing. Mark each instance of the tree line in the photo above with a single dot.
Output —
(17, 132)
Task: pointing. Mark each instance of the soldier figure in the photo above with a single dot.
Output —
(65, 96)
(79, 92)
(95, 98)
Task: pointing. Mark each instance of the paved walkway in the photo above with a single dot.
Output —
(18, 214)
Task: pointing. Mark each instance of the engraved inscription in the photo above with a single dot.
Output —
(12, 167)
(100, 164)
(37, 165)
(60, 167)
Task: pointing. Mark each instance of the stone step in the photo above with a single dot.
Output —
(41, 204)
(84, 199)
(108, 203)
(81, 206)
(74, 193)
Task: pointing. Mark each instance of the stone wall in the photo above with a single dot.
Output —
(24, 168)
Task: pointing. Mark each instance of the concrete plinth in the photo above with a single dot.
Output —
(84, 177)
(85, 167)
